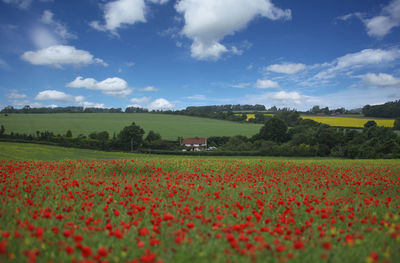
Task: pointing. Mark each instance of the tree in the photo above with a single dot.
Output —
(2, 130)
(131, 137)
(290, 117)
(396, 125)
(274, 129)
(68, 134)
(152, 137)
(369, 124)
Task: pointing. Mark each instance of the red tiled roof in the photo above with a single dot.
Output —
(194, 141)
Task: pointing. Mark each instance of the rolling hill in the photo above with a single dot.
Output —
(169, 126)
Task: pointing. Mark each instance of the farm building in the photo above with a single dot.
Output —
(194, 144)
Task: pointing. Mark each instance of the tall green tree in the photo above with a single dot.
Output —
(274, 129)
(131, 137)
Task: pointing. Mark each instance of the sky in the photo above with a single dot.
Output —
(170, 54)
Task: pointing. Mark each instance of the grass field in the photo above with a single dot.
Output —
(169, 126)
(348, 122)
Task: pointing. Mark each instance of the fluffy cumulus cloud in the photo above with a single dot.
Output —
(161, 104)
(121, 12)
(286, 68)
(266, 84)
(381, 80)
(207, 22)
(59, 55)
(111, 86)
(55, 95)
(62, 97)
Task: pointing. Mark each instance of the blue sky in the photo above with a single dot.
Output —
(169, 54)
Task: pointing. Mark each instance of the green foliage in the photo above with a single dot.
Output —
(387, 110)
(131, 137)
(101, 136)
(152, 136)
(2, 130)
(274, 130)
(290, 117)
(370, 124)
(68, 134)
(396, 125)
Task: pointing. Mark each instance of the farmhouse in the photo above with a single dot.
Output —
(194, 144)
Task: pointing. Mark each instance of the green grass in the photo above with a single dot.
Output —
(169, 126)
(36, 152)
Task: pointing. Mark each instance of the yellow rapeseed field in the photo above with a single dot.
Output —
(338, 121)
(348, 122)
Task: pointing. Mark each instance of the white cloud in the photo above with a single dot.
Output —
(266, 84)
(24, 4)
(282, 99)
(142, 100)
(286, 68)
(87, 104)
(196, 97)
(149, 89)
(161, 104)
(59, 29)
(352, 61)
(111, 86)
(43, 38)
(121, 12)
(382, 24)
(15, 95)
(59, 55)
(54, 95)
(59, 96)
(207, 22)
(381, 80)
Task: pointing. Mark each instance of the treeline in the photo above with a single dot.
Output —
(227, 107)
(130, 138)
(387, 110)
(69, 109)
(317, 110)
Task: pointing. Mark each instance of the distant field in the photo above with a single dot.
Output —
(252, 116)
(348, 121)
(169, 126)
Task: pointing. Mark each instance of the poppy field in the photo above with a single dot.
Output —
(200, 210)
